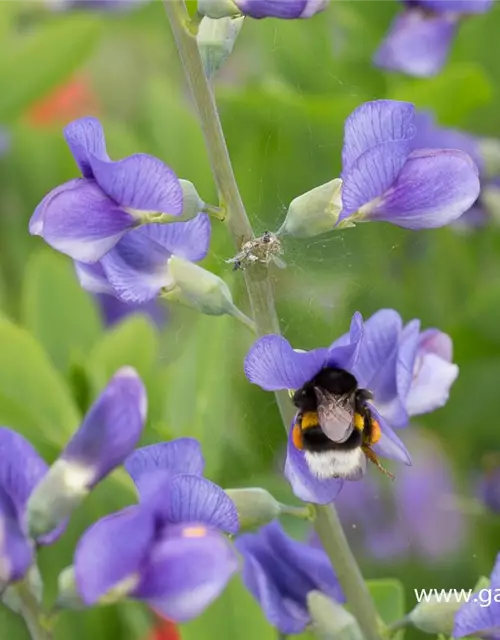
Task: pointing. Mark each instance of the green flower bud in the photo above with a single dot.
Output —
(216, 40)
(314, 212)
(256, 507)
(436, 616)
(218, 8)
(57, 495)
(489, 149)
(330, 621)
(200, 289)
(67, 594)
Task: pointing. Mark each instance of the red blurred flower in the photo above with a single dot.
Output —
(70, 101)
(165, 630)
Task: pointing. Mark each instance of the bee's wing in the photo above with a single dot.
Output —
(335, 415)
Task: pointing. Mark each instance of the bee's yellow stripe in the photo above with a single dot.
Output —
(297, 440)
(359, 422)
(309, 419)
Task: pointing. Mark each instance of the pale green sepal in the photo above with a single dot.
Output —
(67, 593)
(256, 507)
(218, 8)
(490, 199)
(330, 620)
(314, 212)
(57, 495)
(489, 149)
(436, 617)
(216, 40)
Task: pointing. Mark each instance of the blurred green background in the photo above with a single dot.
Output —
(283, 95)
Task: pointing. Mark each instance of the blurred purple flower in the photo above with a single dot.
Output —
(489, 484)
(280, 573)
(432, 136)
(388, 177)
(113, 310)
(285, 9)
(169, 550)
(421, 35)
(481, 616)
(407, 371)
(86, 217)
(407, 517)
(21, 469)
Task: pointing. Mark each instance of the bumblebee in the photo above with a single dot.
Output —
(334, 425)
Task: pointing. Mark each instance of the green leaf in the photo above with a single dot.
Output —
(133, 342)
(389, 597)
(452, 95)
(38, 62)
(57, 311)
(234, 615)
(34, 399)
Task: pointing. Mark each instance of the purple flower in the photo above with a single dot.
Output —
(280, 573)
(489, 483)
(388, 177)
(113, 310)
(168, 550)
(286, 9)
(137, 268)
(421, 35)
(406, 372)
(481, 615)
(86, 217)
(407, 517)
(21, 469)
(107, 435)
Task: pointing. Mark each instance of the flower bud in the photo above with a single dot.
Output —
(314, 212)
(218, 8)
(330, 621)
(67, 593)
(256, 507)
(490, 197)
(489, 149)
(216, 40)
(200, 289)
(436, 616)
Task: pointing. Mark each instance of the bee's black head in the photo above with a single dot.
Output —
(336, 381)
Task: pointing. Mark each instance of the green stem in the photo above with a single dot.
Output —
(308, 512)
(262, 299)
(29, 608)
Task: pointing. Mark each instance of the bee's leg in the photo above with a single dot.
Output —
(371, 455)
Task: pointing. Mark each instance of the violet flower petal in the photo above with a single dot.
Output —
(92, 278)
(78, 219)
(456, 6)
(278, 9)
(16, 553)
(343, 353)
(112, 553)
(110, 430)
(272, 364)
(304, 484)
(179, 456)
(417, 43)
(390, 445)
(85, 137)
(374, 123)
(434, 188)
(186, 570)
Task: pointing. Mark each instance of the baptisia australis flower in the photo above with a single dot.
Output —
(387, 176)
(421, 35)
(480, 616)
(86, 217)
(486, 154)
(348, 395)
(21, 469)
(281, 572)
(169, 550)
(285, 9)
(390, 521)
(107, 435)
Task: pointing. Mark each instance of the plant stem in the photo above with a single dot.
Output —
(30, 611)
(261, 299)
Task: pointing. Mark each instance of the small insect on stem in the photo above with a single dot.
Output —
(262, 250)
